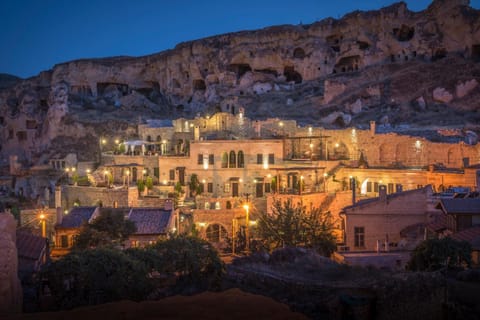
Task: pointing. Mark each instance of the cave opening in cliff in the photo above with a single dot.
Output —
(102, 87)
(31, 124)
(176, 84)
(267, 71)
(199, 84)
(299, 53)
(404, 33)
(362, 45)
(292, 75)
(22, 135)
(239, 68)
(476, 52)
(439, 54)
(347, 64)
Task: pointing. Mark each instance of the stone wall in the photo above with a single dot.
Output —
(91, 196)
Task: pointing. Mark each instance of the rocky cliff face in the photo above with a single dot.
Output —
(391, 65)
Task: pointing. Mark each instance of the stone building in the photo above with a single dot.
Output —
(389, 222)
(151, 225)
(235, 158)
(69, 226)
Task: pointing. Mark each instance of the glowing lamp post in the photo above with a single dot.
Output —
(43, 222)
(247, 222)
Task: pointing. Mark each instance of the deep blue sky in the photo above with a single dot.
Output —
(36, 34)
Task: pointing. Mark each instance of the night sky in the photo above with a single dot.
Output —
(37, 34)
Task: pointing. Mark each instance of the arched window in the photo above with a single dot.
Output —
(232, 160)
(217, 205)
(224, 160)
(149, 138)
(241, 160)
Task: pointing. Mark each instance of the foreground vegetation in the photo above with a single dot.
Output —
(181, 264)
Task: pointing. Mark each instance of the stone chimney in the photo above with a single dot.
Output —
(59, 215)
(168, 205)
(13, 162)
(258, 128)
(353, 185)
(372, 127)
(382, 192)
(196, 133)
(58, 197)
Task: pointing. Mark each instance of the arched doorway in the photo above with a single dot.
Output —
(216, 233)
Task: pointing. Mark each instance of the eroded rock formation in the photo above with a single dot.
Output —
(10, 288)
(385, 59)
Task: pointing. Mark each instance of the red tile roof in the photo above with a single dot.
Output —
(471, 235)
(150, 220)
(30, 246)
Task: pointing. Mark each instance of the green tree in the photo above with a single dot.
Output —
(435, 254)
(140, 186)
(195, 261)
(149, 183)
(194, 185)
(97, 276)
(108, 229)
(291, 225)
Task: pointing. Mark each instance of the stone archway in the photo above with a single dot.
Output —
(215, 233)
(340, 151)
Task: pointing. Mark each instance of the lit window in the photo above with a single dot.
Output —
(359, 234)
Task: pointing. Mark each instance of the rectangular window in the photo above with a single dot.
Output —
(210, 187)
(267, 187)
(172, 174)
(390, 188)
(64, 241)
(156, 172)
(202, 187)
(271, 158)
(211, 159)
(200, 159)
(259, 158)
(369, 186)
(227, 187)
(359, 237)
(375, 187)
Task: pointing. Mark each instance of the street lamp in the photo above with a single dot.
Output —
(42, 221)
(128, 177)
(247, 222)
(325, 175)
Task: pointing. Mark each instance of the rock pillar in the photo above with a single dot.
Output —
(10, 288)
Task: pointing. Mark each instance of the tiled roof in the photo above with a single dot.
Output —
(439, 224)
(391, 196)
(77, 216)
(460, 206)
(150, 220)
(30, 246)
(471, 235)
